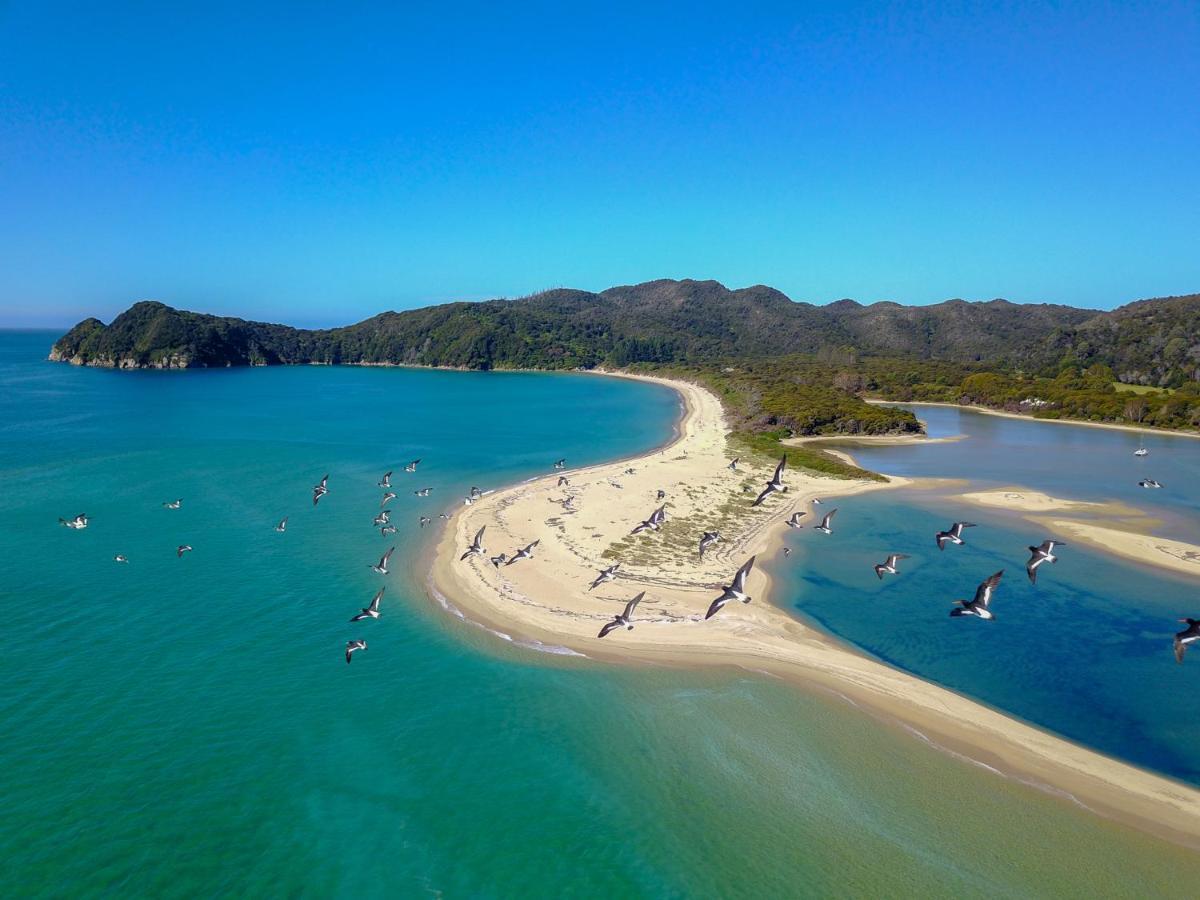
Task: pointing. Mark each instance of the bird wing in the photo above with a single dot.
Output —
(478, 542)
(879, 570)
(828, 518)
(779, 468)
(608, 626)
(739, 580)
(374, 607)
(940, 537)
(383, 562)
(959, 526)
(1180, 649)
(983, 594)
(632, 604)
(717, 604)
(762, 496)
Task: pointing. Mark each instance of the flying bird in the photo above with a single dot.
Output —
(320, 490)
(182, 549)
(735, 591)
(80, 521)
(825, 527)
(981, 603)
(775, 485)
(1149, 483)
(954, 535)
(121, 558)
(707, 540)
(386, 481)
(624, 619)
(498, 561)
(794, 521)
(733, 464)
(412, 466)
(787, 551)
(425, 520)
(173, 504)
(605, 575)
(372, 611)
(889, 566)
(662, 495)
(382, 518)
(1041, 554)
(387, 529)
(353, 647)
(653, 523)
(476, 548)
(282, 526)
(423, 492)
(387, 498)
(382, 566)
(560, 464)
(1189, 635)
(563, 480)
(525, 552)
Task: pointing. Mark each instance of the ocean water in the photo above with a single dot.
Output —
(1087, 652)
(184, 727)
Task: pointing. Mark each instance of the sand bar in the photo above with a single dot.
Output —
(548, 600)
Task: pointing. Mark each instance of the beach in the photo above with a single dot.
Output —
(547, 599)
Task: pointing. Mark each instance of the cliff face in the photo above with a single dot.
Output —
(678, 322)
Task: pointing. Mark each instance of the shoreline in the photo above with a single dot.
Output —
(546, 601)
(988, 411)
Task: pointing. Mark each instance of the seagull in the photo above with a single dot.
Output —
(563, 480)
(775, 484)
(889, 566)
(982, 600)
(1185, 637)
(735, 591)
(423, 492)
(387, 529)
(172, 504)
(954, 535)
(80, 521)
(707, 540)
(412, 466)
(467, 501)
(475, 493)
(787, 551)
(825, 527)
(382, 518)
(816, 501)
(182, 549)
(121, 558)
(560, 464)
(1149, 483)
(382, 566)
(353, 647)
(1042, 554)
(662, 495)
(386, 481)
(605, 575)
(794, 521)
(653, 523)
(497, 561)
(525, 552)
(387, 498)
(733, 464)
(320, 490)
(476, 548)
(425, 520)
(624, 618)
(282, 526)
(372, 611)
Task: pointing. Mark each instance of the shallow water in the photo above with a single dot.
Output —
(176, 727)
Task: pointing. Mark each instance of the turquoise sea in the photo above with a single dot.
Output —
(184, 727)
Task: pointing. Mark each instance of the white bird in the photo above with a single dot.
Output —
(816, 501)
(1041, 554)
(423, 492)
(173, 504)
(425, 520)
(560, 464)
(623, 619)
(80, 521)
(889, 565)
(382, 518)
(980, 605)
(121, 558)
(386, 481)
(653, 523)
(388, 497)
(826, 527)
(476, 493)
(1149, 483)
(605, 575)
(182, 549)
(412, 466)
(382, 566)
(794, 521)
(320, 490)
(787, 551)
(735, 591)
(282, 526)
(372, 611)
(387, 529)
(954, 535)
(476, 548)
(467, 501)
(1189, 635)
(775, 485)
(525, 552)
(707, 540)
(353, 647)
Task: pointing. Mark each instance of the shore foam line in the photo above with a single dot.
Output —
(548, 600)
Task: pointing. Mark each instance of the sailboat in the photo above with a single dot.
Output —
(1141, 450)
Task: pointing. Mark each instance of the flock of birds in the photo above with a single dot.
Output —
(980, 605)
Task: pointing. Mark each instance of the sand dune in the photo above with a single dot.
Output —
(547, 599)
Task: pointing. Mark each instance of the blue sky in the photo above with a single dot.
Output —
(318, 164)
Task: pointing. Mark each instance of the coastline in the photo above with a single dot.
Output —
(987, 411)
(547, 600)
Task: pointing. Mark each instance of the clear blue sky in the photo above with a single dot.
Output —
(317, 164)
